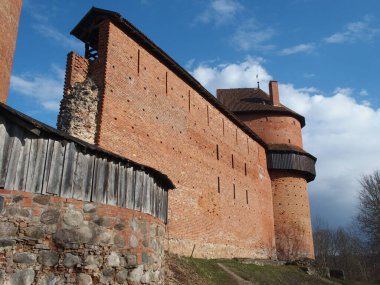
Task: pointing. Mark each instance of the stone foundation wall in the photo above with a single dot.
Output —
(47, 240)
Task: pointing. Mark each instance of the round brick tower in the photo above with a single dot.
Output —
(9, 15)
(290, 167)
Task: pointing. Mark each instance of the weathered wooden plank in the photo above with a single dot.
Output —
(130, 189)
(4, 149)
(68, 170)
(37, 159)
(56, 167)
(122, 188)
(152, 192)
(23, 165)
(89, 179)
(47, 166)
(13, 158)
(111, 184)
(165, 207)
(139, 185)
(155, 198)
(159, 202)
(101, 175)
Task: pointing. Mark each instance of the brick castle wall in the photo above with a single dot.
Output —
(9, 15)
(290, 197)
(51, 240)
(222, 206)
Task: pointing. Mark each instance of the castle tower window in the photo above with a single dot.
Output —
(217, 152)
(245, 169)
(138, 62)
(208, 117)
(234, 190)
(90, 52)
(232, 161)
(246, 196)
(218, 184)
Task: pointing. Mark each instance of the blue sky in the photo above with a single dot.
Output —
(324, 54)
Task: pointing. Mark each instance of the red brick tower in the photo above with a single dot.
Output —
(290, 167)
(9, 15)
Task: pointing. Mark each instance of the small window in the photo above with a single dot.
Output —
(232, 161)
(218, 184)
(217, 152)
(245, 169)
(234, 190)
(246, 196)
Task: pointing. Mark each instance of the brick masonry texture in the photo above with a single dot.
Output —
(50, 240)
(274, 129)
(9, 15)
(150, 115)
(290, 197)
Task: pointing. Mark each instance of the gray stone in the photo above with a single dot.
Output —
(136, 274)
(66, 238)
(19, 212)
(7, 229)
(24, 257)
(133, 224)
(103, 222)
(50, 217)
(71, 260)
(73, 218)
(119, 241)
(1, 203)
(23, 277)
(7, 242)
(42, 199)
(104, 237)
(122, 276)
(85, 234)
(17, 199)
(153, 230)
(48, 258)
(119, 226)
(145, 279)
(2, 275)
(84, 279)
(133, 241)
(113, 260)
(145, 257)
(50, 279)
(131, 260)
(89, 208)
(93, 261)
(34, 232)
(107, 276)
(156, 276)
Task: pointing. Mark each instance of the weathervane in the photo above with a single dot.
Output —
(258, 82)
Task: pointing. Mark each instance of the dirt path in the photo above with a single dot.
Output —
(237, 278)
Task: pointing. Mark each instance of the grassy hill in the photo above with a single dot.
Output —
(184, 270)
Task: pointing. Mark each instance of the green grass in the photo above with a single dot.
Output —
(208, 272)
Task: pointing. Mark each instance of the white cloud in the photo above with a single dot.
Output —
(46, 89)
(220, 11)
(241, 74)
(363, 93)
(301, 48)
(355, 32)
(341, 132)
(52, 33)
(251, 35)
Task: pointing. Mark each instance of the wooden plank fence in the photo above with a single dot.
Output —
(49, 165)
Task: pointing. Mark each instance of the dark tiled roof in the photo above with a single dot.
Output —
(289, 148)
(87, 31)
(42, 130)
(253, 100)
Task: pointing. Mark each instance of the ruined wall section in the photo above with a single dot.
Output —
(79, 107)
(9, 14)
(51, 240)
(222, 206)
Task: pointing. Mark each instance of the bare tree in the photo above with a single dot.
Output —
(369, 208)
